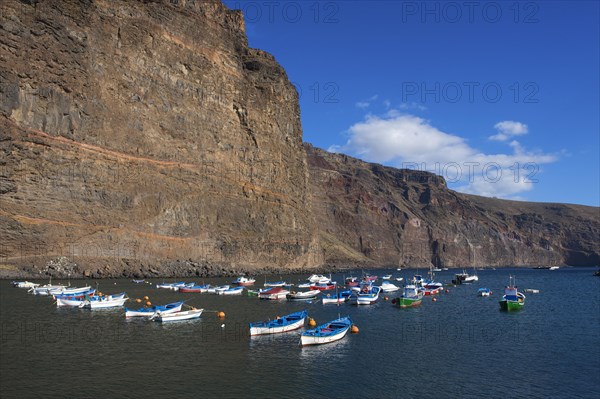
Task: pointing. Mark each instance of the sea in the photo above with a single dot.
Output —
(458, 346)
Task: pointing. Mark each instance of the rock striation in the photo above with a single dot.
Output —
(145, 138)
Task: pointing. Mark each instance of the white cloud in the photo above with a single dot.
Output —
(366, 103)
(508, 129)
(404, 140)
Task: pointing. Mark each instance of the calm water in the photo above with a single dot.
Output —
(460, 346)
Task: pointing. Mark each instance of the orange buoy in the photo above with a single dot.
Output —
(447, 291)
(220, 315)
(434, 299)
(138, 300)
(312, 322)
(354, 329)
(148, 303)
(385, 298)
(146, 298)
(100, 294)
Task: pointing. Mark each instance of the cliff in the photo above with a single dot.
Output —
(145, 138)
(373, 214)
(136, 134)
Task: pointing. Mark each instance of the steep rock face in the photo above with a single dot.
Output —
(147, 131)
(371, 214)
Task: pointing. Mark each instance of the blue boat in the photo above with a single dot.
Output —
(326, 333)
(339, 297)
(149, 311)
(79, 295)
(483, 292)
(290, 322)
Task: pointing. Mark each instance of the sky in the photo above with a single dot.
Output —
(500, 98)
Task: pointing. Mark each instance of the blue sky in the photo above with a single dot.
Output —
(501, 98)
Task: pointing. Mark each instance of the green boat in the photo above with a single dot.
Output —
(512, 299)
(411, 297)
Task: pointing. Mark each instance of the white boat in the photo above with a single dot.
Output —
(305, 285)
(44, 290)
(387, 277)
(280, 324)
(399, 278)
(103, 303)
(272, 284)
(319, 278)
(150, 311)
(273, 293)
(365, 297)
(326, 333)
(532, 290)
(389, 287)
(232, 291)
(484, 292)
(69, 291)
(76, 303)
(24, 284)
(218, 290)
(178, 316)
(243, 281)
(303, 296)
(554, 268)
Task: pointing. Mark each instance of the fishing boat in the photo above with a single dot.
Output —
(283, 324)
(323, 286)
(484, 292)
(366, 296)
(24, 284)
(387, 277)
(280, 283)
(329, 332)
(273, 293)
(464, 278)
(138, 281)
(171, 286)
(368, 277)
(76, 301)
(45, 289)
(68, 291)
(78, 296)
(149, 311)
(177, 316)
(339, 297)
(302, 295)
(195, 288)
(232, 291)
(389, 287)
(512, 298)
(103, 302)
(410, 297)
(217, 290)
(554, 268)
(352, 281)
(318, 278)
(243, 281)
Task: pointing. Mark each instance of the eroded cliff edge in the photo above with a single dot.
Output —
(147, 138)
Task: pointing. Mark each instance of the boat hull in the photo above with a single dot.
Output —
(303, 296)
(151, 312)
(511, 305)
(277, 330)
(111, 303)
(324, 334)
(408, 302)
(178, 316)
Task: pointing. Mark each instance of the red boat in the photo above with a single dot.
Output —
(322, 287)
(352, 282)
(432, 291)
